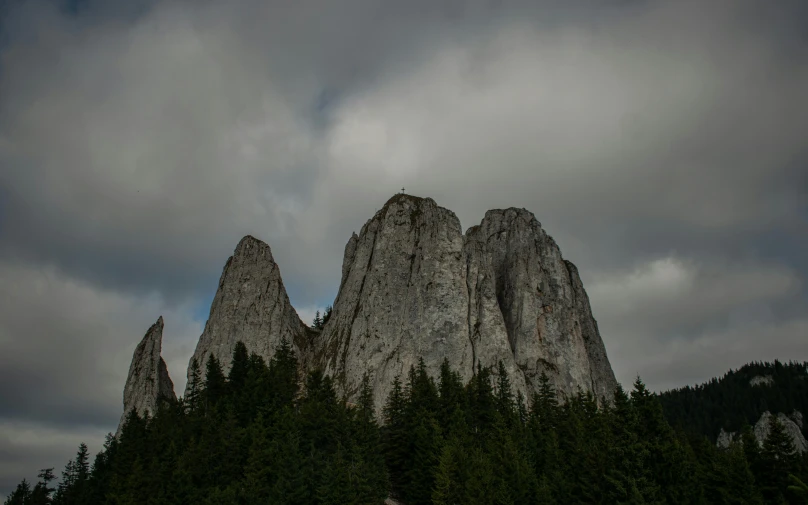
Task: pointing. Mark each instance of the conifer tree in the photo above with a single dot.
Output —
(195, 385)
(798, 488)
(214, 384)
(21, 495)
(42, 491)
(505, 401)
(395, 439)
(778, 460)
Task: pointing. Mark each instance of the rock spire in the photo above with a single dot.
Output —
(250, 305)
(148, 382)
(414, 286)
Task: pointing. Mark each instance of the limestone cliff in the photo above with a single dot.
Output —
(148, 382)
(403, 296)
(414, 286)
(794, 430)
(791, 423)
(540, 299)
(250, 305)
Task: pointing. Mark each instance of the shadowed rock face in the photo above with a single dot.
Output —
(251, 305)
(413, 286)
(541, 301)
(148, 382)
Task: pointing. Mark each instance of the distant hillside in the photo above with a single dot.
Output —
(738, 398)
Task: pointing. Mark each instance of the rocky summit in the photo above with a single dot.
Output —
(148, 382)
(414, 286)
(251, 306)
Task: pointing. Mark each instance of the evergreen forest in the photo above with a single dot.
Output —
(732, 401)
(262, 434)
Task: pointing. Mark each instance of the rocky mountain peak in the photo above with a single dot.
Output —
(148, 382)
(251, 305)
(413, 286)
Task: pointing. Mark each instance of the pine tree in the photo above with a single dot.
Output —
(798, 488)
(21, 495)
(395, 438)
(239, 368)
(283, 378)
(195, 385)
(214, 384)
(778, 460)
(504, 398)
(368, 443)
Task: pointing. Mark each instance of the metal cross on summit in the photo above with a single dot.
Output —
(402, 190)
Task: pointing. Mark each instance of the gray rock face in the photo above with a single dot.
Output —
(761, 380)
(148, 382)
(251, 305)
(796, 416)
(763, 426)
(725, 439)
(413, 286)
(540, 298)
(403, 296)
(792, 424)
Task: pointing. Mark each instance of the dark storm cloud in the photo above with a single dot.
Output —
(660, 143)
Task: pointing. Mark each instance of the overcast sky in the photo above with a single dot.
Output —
(661, 143)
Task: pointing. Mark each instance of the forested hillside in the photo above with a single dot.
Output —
(255, 437)
(733, 401)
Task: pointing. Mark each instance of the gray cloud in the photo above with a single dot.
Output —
(660, 143)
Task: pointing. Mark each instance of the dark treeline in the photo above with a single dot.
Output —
(257, 436)
(730, 402)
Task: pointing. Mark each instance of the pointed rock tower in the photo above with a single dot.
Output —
(414, 286)
(402, 297)
(525, 285)
(251, 306)
(148, 382)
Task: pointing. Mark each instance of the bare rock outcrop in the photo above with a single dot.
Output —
(251, 306)
(148, 382)
(726, 439)
(761, 380)
(791, 423)
(414, 286)
(763, 426)
(403, 296)
(540, 298)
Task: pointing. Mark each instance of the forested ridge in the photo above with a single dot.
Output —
(264, 435)
(730, 402)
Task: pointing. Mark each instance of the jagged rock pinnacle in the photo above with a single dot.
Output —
(148, 382)
(250, 305)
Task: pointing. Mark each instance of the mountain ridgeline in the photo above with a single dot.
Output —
(415, 287)
(742, 397)
(451, 368)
